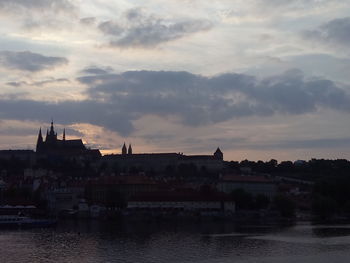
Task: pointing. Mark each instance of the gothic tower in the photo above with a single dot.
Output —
(130, 149)
(51, 136)
(124, 151)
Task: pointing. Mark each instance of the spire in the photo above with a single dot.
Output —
(124, 151)
(52, 131)
(130, 149)
(39, 141)
(64, 134)
(47, 135)
(40, 136)
(51, 135)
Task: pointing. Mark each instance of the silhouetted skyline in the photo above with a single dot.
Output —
(262, 79)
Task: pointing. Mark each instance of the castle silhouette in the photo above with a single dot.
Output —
(65, 148)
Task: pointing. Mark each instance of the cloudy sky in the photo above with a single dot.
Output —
(261, 79)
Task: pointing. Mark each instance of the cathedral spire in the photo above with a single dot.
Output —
(130, 149)
(52, 131)
(40, 136)
(64, 134)
(124, 151)
(39, 141)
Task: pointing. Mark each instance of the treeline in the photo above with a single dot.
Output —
(331, 190)
(306, 170)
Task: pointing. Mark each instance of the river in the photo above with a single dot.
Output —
(91, 241)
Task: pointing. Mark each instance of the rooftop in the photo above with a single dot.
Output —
(246, 179)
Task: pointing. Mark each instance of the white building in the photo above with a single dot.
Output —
(190, 202)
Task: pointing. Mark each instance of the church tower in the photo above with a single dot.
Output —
(218, 154)
(124, 150)
(130, 150)
(51, 136)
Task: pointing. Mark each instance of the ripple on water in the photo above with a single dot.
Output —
(181, 243)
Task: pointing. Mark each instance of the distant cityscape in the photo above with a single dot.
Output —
(63, 178)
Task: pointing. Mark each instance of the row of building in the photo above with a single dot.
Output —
(126, 190)
(55, 148)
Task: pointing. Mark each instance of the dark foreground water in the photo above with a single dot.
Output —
(176, 242)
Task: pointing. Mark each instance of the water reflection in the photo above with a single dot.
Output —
(91, 241)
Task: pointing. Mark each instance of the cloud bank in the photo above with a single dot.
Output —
(28, 61)
(116, 100)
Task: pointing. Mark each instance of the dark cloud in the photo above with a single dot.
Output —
(116, 100)
(201, 100)
(97, 70)
(142, 30)
(28, 61)
(335, 32)
(68, 112)
(36, 4)
(15, 131)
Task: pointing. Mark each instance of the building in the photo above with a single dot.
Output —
(22, 155)
(255, 185)
(161, 162)
(185, 200)
(111, 190)
(52, 146)
(65, 197)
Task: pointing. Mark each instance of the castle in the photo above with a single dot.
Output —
(62, 148)
(163, 161)
(52, 146)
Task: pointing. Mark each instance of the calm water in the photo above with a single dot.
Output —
(171, 242)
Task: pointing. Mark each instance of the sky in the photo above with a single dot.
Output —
(260, 79)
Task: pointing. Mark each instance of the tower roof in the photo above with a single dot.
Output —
(218, 150)
(52, 130)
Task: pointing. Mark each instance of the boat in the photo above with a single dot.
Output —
(25, 221)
